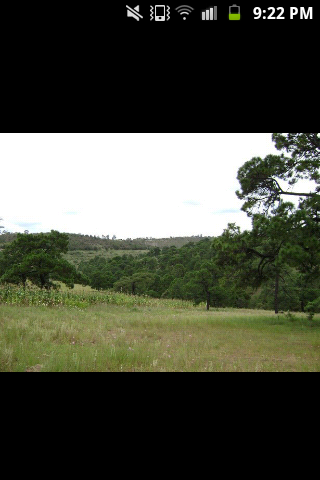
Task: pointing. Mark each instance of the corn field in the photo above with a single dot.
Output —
(31, 296)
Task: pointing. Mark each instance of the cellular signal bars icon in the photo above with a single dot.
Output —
(209, 14)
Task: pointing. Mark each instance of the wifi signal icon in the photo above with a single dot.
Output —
(184, 10)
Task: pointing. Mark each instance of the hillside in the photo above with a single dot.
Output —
(85, 247)
(92, 242)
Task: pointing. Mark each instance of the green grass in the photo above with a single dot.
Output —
(139, 334)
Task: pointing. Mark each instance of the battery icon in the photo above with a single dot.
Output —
(234, 12)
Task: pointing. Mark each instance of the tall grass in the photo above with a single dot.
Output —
(83, 330)
(80, 298)
(157, 338)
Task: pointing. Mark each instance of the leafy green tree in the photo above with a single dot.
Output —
(202, 284)
(98, 273)
(266, 182)
(277, 258)
(176, 289)
(166, 280)
(287, 234)
(124, 285)
(38, 258)
(138, 283)
(179, 270)
(253, 257)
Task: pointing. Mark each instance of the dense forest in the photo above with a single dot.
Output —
(275, 265)
(204, 272)
(219, 271)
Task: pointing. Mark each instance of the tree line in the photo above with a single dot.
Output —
(223, 272)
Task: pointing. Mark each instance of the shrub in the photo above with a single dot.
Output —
(314, 306)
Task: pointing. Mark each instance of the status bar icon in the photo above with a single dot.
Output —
(134, 12)
(184, 11)
(160, 13)
(234, 12)
(209, 14)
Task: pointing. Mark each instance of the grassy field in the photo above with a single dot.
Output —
(120, 333)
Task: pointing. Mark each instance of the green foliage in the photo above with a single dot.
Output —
(284, 235)
(222, 273)
(138, 283)
(313, 306)
(37, 258)
(265, 182)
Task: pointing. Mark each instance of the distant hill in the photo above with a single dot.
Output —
(81, 242)
(92, 242)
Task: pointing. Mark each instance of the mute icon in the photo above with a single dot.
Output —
(134, 12)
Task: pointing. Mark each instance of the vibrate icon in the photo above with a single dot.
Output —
(160, 13)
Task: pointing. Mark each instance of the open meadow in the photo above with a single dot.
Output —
(87, 331)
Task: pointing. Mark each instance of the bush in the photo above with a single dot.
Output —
(314, 306)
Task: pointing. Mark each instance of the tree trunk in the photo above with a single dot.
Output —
(42, 280)
(276, 292)
(208, 300)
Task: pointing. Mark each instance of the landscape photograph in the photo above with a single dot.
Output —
(160, 252)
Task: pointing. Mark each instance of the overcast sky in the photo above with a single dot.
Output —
(128, 185)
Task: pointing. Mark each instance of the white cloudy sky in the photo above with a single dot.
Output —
(128, 185)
